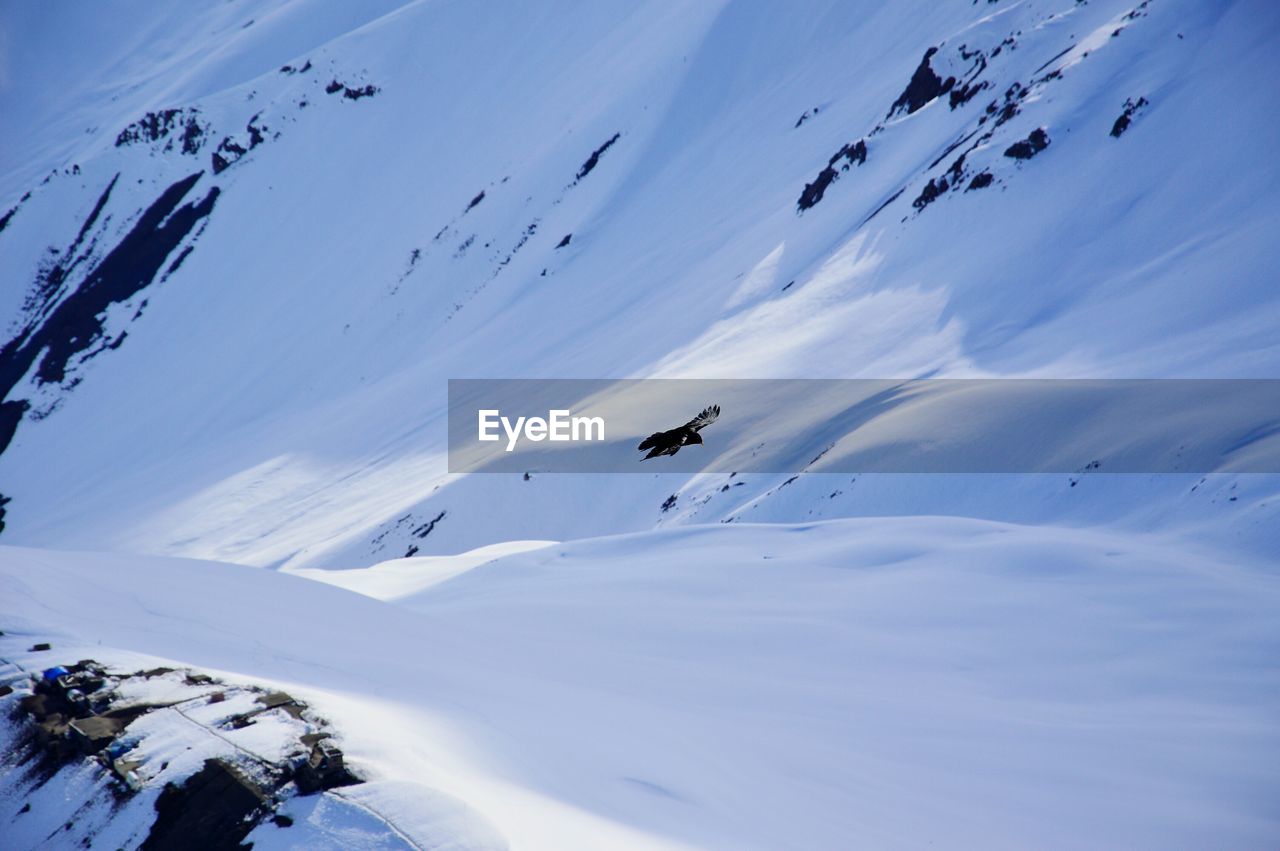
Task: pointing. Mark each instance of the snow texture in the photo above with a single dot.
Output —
(243, 247)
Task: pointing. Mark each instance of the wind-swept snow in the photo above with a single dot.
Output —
(394, 580)
(278, 397)
(379, 197)
(887, 683)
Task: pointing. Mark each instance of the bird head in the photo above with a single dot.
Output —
(695, 438)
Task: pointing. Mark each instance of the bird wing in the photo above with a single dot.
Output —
(707, 417)
(650, 441)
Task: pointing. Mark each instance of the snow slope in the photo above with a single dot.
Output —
(875, 683)
(388, 215)
(244, 245)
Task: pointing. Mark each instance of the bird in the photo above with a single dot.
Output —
(669, 442)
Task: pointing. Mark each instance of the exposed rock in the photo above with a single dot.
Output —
(594, 160)
(230, 151)
(426, 528)
(931, 192)
(1131, 109)
(981, 180)
(808, 113)
(218, 803)
(924, 87)
(1030, 146)
(350, 93)
(182, 125)
(963, 94)
(853, 153)
(76, 323)
(8, 216)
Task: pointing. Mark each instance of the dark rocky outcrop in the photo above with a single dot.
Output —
(1030, 146)
(931, 192)
(925, 86)
(594, 160)
(981, 180)
(851, 154)
(1131, 108)
(351, 92)
(218, 804)
(77, 322)
(230, 151)
(808, 113)
(180, 125)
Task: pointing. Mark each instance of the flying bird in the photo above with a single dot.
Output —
(669, 442)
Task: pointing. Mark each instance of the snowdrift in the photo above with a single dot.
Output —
(887, 683)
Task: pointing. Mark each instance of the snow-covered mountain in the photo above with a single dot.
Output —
(260, 236)
(244, 245)
(860, 683)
